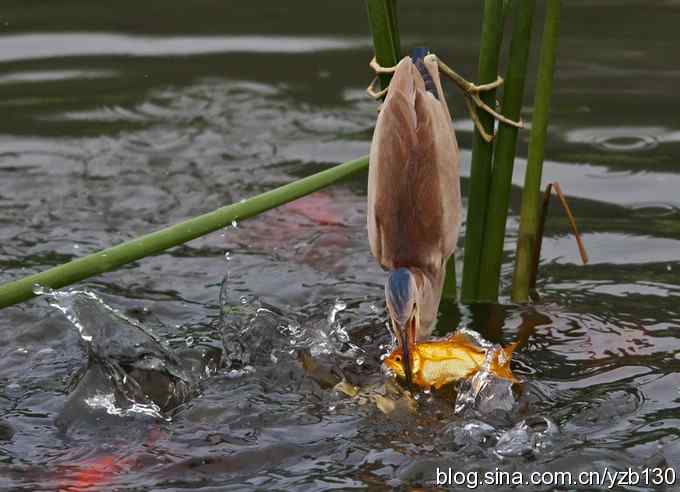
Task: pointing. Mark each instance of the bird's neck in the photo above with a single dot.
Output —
(429, 290)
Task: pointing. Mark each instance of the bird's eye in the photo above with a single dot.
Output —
(398, 358)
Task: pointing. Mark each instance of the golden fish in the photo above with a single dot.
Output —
(441, 362)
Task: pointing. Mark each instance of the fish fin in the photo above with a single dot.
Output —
(502, 369)
(460, 338)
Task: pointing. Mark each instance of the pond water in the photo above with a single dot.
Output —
(120, 119)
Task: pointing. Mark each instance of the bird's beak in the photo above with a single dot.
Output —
(405, 334)
(402, 306)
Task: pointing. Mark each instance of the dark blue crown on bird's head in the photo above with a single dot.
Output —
(399, 294)
(417, 57)
(419, 53)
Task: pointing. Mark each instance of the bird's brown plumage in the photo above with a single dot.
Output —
(413, 183)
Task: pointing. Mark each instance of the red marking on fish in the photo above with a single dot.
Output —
(317, 207)
(93, 473)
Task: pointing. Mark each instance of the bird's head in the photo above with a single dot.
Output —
(401, 296)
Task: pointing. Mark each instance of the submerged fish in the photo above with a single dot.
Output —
(437, 363)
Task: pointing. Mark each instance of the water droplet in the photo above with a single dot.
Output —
(22, 350)
(331, 408)
(528, 437)
(234, 223)
(360, 361)
(243, 300)
(342, 335)
(189, 341)
(40, 290)
(227, 256)
(237, 373)
(339, 306)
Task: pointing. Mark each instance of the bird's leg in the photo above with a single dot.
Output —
(475, 118)
(378, 69)
(375, 94)
(472, 92)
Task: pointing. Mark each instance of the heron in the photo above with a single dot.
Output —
(414, 200)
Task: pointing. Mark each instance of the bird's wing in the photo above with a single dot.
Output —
(447, 155)
(393, 137)
(413, 188)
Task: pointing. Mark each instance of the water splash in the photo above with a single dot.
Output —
(259, 334)
(333, 337)
(528, 438)
(477, 338)
(125, 359)
(108, 402)
(472, 432)
(338, 307)
(485, 392)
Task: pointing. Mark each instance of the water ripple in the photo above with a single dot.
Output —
(623, 139)
(62, 45)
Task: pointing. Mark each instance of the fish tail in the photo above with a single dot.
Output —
(502, 369)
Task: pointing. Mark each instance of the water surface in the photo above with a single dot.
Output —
(120, 120)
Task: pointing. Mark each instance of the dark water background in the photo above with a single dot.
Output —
(119, 118)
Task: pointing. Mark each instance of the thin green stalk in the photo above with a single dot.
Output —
(530, 214)
(382, 15)
(504, 156)
(480, 173)
(150, 244)
(542, 217)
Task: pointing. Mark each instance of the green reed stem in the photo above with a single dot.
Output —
(150, 244)
(382, 15)
(530, 214)
(480, 173)
(506, 144)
